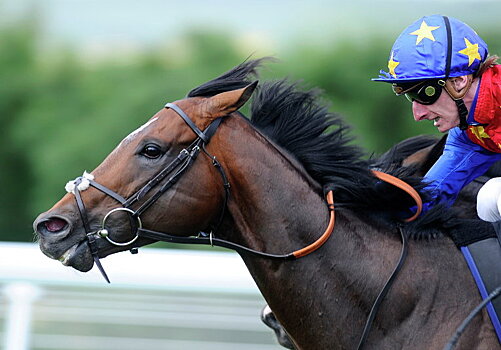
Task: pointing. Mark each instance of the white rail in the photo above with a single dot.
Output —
(158, 299)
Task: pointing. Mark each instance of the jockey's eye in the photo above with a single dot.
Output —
(152, 151)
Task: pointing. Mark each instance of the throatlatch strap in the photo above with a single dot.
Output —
(384, 291)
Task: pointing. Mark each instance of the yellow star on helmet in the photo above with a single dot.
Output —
(392, 65)
(471, 51)
(425, 31)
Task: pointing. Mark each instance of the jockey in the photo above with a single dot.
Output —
(442, 67)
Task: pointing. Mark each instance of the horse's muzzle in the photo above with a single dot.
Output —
(58, 242)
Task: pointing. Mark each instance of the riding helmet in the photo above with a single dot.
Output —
(434, 47)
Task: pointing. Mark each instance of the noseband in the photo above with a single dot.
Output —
(173, 171)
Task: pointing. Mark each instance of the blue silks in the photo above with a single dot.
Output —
(461, 162)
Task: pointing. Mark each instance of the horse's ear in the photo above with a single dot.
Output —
(230, 101)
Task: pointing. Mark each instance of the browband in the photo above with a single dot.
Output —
(188, 121)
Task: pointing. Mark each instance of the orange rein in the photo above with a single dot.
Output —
(330, 202)
(405, 187)
(318, 243)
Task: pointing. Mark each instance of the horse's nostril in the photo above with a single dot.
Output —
(53, 225)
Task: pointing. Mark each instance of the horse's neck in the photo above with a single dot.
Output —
(274, 209)
(274, 205)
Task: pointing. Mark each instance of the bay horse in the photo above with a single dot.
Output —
(260, 184)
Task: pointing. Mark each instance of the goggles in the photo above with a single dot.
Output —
(426, 92)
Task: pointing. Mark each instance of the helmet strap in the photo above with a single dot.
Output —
(463, 113)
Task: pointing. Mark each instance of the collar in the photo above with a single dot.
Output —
(487, 104)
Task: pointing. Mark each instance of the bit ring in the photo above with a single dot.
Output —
(103, 232)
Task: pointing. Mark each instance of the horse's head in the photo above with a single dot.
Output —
(151, 179)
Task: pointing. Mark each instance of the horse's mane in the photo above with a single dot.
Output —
(235, 78)
(399, 152)
(297, 120)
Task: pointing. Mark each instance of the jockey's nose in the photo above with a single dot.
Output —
(419, 111)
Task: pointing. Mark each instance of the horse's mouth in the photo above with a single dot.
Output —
(69, 254)
(75, 252)
(78, 256)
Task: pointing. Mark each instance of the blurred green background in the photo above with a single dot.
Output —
(77, 76)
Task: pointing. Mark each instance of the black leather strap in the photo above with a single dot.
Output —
(211, 129)
(91, 239)
(81, 206)
(157, 179)
(384, 291)
(107, 191)
(212, 241)
(183, 166)
(188, 121)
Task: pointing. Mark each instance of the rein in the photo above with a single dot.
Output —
(175, 170)
(212, 241)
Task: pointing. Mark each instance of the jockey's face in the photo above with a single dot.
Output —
(443, 113)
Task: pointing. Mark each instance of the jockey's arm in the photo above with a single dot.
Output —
(461, 162)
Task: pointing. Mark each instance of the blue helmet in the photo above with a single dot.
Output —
(434, 47)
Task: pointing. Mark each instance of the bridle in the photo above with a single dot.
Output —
(173, 171)
(169, 175)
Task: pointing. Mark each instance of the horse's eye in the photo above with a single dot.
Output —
(151, 151)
